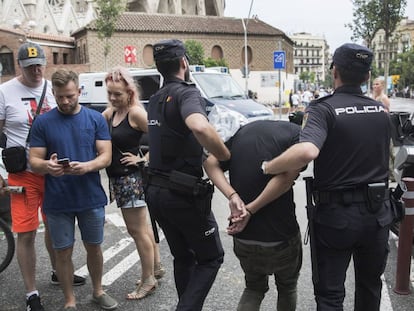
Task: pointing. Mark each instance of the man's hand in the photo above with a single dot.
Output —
(74, 168)
(237, 227)
(237, 208)
(53, 167)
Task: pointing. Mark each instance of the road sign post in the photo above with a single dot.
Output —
(279, 62)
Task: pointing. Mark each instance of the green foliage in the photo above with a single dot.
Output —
(108, 13)
(211, 62)
(365, 23)
(195, 51)
(403, 65)
(306, 76)
(373, 15)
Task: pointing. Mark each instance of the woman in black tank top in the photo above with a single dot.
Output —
(127, 120)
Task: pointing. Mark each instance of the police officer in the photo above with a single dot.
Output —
(347, 134)
(178, 130)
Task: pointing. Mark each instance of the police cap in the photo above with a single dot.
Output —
(352, 56)
(168, 49)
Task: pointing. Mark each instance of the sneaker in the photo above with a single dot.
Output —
(105, 301)
(77, 279)
(33, 303)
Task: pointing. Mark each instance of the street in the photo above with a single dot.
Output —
(121, 267)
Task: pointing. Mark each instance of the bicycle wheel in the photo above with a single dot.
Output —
(6, 245)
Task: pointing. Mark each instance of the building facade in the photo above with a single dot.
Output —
(62, 17)
(402, 41)
(67, 31)
(59, 50)
(311, 55)
(220, 37)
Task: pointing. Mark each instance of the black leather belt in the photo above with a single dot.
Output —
(346, 196)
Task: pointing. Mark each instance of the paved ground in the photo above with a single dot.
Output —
(122, 268)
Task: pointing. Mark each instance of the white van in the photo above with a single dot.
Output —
(93, 88)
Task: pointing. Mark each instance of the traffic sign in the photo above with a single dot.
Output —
(130, 54)
(279, 59)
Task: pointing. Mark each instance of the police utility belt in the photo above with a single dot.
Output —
(373, 195)
(181, 183)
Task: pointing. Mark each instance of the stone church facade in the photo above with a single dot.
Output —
(67, 31)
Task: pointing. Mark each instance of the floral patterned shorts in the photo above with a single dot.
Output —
(127, 191)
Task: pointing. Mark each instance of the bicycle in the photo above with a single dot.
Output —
(7, 245)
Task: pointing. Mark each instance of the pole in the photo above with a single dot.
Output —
(246, 66)
(402, 280)
(280, 87)
(246, 74)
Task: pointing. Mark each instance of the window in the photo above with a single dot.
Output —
(65, 58)
(147, 55)
(55, 58)
(249, 56)
(7, 61)
(217, 52)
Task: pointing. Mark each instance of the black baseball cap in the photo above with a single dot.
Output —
(353, 56)
(31, 53)
(168, 49)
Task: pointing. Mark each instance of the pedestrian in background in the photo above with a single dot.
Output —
(267, 241)
(19, 103)
(378, 86)
(306, 97)
(378, 93)
(177, 197)
(73, 188)
(296, 101)
(353, 212)
(127, 120)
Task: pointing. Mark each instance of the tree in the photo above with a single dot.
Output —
(372, 15)
(365, 20)
(402, 66)
(195, 51)
(305, 76)
(211, 62)
(108, 13)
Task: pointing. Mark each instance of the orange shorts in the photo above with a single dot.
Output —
(25, 206)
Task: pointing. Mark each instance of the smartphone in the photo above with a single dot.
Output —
(64, 161)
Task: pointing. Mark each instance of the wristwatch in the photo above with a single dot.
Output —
(263, 167)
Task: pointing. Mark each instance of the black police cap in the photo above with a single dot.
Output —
(168, 49)
(353, 57)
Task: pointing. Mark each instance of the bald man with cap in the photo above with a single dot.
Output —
(19, 103)
(347, 135)
(177, 197)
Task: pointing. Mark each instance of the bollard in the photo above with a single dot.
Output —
(405, 240)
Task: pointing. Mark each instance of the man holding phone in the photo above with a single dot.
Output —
(73, 189)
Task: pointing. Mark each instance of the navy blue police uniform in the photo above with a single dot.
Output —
(353, 211)
(186, 220)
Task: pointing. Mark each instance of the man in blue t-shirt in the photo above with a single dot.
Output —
(267, 240)
(70, 144)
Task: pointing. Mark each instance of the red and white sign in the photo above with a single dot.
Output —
(130, 54)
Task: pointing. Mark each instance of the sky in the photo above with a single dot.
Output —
(317, 17)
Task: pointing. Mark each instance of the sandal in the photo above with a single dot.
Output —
(159, 272)
(143, 289)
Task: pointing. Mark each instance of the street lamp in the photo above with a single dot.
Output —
(246, 66)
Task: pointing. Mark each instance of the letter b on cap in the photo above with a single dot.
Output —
(32, 52)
